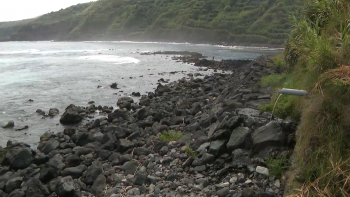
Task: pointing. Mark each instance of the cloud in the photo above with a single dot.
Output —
(11, 10)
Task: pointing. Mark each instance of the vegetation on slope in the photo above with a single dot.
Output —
(317, 59)
(230, 21)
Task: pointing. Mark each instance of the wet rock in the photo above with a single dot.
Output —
(53, 112)
(125, 102)
(51, 145)
(10, 124)
(65, 187)
(41, 159)
(162, 89)
(69, 132)
(19, 157)
(145, 101)
(99, 186)
(268, 135)
(114, 86)
(21, 128)
(240, 138)
(71, 115)
(116, 115)
(136, 94)
(40, 112)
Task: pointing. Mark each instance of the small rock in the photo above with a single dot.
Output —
(248, 192)
(10, 124)
(130, 167)
(114, 86)
(262, 170)
(223, 192)
(53, 112)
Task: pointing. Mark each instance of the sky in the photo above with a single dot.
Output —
(12, 10)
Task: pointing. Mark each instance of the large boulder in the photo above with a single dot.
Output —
(268, 135)
(125, 102)
(19, 157)
(239, 138)
(71, 115)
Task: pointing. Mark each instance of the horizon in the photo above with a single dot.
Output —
(17, 10)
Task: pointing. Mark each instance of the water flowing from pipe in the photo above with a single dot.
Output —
(278, 98)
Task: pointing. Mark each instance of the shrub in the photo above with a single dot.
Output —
(277, 165)
(171, 135)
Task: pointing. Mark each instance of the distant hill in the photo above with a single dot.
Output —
(209, 21)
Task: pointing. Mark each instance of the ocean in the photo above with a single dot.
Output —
(56, 74)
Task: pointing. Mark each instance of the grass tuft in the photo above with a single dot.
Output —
(171, 135)
(190, 152)
(277, 165)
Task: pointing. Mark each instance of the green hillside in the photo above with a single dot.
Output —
(229, 21)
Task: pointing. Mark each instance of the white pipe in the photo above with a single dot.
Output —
(293, 92)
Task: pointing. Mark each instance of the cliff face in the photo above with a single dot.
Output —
(230, 21)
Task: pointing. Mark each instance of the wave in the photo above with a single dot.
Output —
(188, 43)
(112, 58)
(20, 52)
(36, 51)
(140, 42)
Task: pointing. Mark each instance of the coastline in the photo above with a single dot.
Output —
(234, 46)
(122, 155)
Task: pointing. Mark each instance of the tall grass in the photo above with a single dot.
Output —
(317, 59)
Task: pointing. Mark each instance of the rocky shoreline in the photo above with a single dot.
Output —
(221, 146)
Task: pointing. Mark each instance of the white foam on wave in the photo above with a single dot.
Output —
(36, 51)
(139, 42)
(20, 52)
(111, 58)
(72, 51)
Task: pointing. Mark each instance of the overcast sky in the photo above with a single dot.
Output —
(12, 10)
